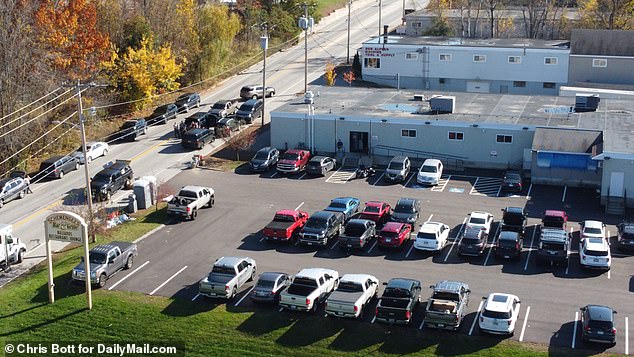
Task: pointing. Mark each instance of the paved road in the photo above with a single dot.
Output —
(157, 154)
(180, 254)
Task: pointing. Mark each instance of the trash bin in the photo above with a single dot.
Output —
(132, 205)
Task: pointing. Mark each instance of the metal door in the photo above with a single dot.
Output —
(616, 184)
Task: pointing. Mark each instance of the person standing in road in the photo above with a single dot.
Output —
(177, 132)
(27, 180)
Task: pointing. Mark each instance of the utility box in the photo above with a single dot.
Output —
(143, 193)
(586, 102)
(419, 97)
(442, 104)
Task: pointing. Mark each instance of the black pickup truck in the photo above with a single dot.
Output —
(321, 227)
(513, 220)
(115, 176)
(397, 304)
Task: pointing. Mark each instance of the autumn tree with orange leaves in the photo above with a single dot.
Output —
(68, 32)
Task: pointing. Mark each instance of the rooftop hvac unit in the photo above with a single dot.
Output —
(419, 97)
(586, 102)
(442, 104)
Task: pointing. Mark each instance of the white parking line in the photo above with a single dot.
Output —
(274, 174)
(302, 176)
(528, 194)
(261, 239)
(499, 190)
(563, 197)
(379, 179)
(196, 297)
(574, 329)
(430, 216)
(127, 276)
(281, 309)
(627, 338)
(301, 204)
(568, 253)
(476, 317)
(474, 185)
(492, 245)
(373, 245)
(609, 273)
(334, 245)
(452, 243)
(168, 280)
(524, 325)
(528, 257)
(408, 180)
(245, 295)
(421, 324)
(409, 251)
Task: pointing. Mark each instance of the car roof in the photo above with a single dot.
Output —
(229, 261)
(322, 214)
(499, 302)
(430, 227)
(343, 199)
(252, 102)
(398, 158)
(406, 201)
(509, 235)
(432, 162)
(318, 158)
(514, 210)
(357, 278)
(358, 221)
(401, 283)
(554, 213)
(592, 224)
(192, 188)
(449, 286)
(472, 232)
(600, 313)
(480, 214)
(315, 272)
(598, 244)
(392, 226)
(375, 203)
(270, 276)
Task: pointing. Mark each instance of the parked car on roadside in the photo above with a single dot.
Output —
(187, 101)
(514, 220)
(114, 177)
(473, 242)
(255, 91)
(432, 236)
(625, 236)
(250, 110)
(320, 165)
(223, 108)
(94, 150)
(105, 261)
(269, 287)
(264, 159)
(197, 120)
(131, 129)
(394, 235)
(58, 166)
(225, 126)
(407, 210)
(349, 206)
(499, 314)
(597, 324)
(197, 138)
(592, 229)
(512, 182)
(397, 169)
(357, 234)
(352, 295)
(227, 276)
(11, 189)
(430, 172)
(162, 114)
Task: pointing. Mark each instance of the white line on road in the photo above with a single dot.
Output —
(245, 295)
(430, 216)
(563, 197)
(409, 251)
(301, 204)
(477, 316)
(528, 194)
(127, 276)
(627, 338)
(379, 179)
(261, 239)
(499, 190)
(524, 325)
(421, 324)
(334, 245)
(452, 243)
(168, 280)
(528, 257)
(148, 234)
(609, 273)
(373, 245)
(302, 176)
(474, 185)
(568, 253)
(274, 174)
(574, 329)
(281, 309)
(492, 245)
(196, 297)
(408, 180)
(373, 319)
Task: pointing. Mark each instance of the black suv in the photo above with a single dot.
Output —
(509, 245)
(406, 210)
(250, 110)
(264, 159)
(512, 182)
(197, 138)
(199, 117)
(58, 166)
(597, 324)
(11, 188)
(625, 238)
(187, 101)
(162, 114)
(513, 219)
(115, 176)
(133, 128)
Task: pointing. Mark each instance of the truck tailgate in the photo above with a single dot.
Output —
(441, 319)
(293, 302)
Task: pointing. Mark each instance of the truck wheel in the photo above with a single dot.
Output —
(360, 317)
(314, 308)
(233, 293)
(102, 280)
(20, 256)
(252, 275)
(211, 202)
(130, 262)
(61, 173)
(22, 194)
(194, 214)
(1, 203)
(77, 165)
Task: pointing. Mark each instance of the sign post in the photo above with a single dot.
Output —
(69, 227)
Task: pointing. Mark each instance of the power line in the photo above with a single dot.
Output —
(28, 105)
(25, 114)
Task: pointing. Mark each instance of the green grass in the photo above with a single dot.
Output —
(205, 327)
(324, 7)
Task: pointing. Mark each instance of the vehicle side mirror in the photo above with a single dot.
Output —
(385, 283)
(468, 291)
(431, 286)
(328, 277)
(519, 301)
(614, 312)
(484, 298)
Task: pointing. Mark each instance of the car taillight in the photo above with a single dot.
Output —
(307, 302)
(188, 209)
(376, 312)
(226, 287)
(614, 330)
(517, 246)
(457, 318)
(360, 240)
(407, 314)
(356, 308)
(587, 328)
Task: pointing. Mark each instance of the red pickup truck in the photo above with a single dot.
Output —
(293, 161)
(285, 225)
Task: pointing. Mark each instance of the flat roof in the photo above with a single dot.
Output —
(471, 42)
(615, 117)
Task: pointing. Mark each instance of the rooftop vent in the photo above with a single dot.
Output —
(586, 102)
(442, 104)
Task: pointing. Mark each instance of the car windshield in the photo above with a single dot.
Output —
(189, 137)
(315, 222)
(219, 106)
(513, 219)
(160, 110)
(426, 235)
(183, 99)
(477, 220)
(337, 205)
(261, 155)
(355, 230)
(507, 242)
(349, 287)
(291, 156)
(267, 284)
(372, 209)
(97, 258)
(283, 218)
(589, 230)
(217, 269)
(314, 163)
(395, 166)
(496, 314)
(404, 208)
(128, 124)
(396, 292)
(428, 168)
(246, 107)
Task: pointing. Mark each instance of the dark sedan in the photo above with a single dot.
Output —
(270, 286)
(625, 237)
(512, 182)
(597, 324)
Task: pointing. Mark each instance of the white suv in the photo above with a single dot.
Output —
(432, 236)
(480, 220)
(430, 172)
(592, 229)
(499, 314)
(595, 253)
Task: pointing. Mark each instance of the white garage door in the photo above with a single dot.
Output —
(478, 87)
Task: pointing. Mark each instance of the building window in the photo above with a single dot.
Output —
(444, 57)
(479, 58)
(411, 56)
(599, 62)
(506, 139)
(455, 135)
(417, 24)
(441, 81)
(408, 133)
(372, 62)
(549, 85)
(515, 59)
(550, 60)
(519, 84)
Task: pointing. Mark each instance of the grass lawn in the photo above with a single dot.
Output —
(207, 327)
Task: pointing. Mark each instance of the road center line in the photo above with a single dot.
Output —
(459, 237)
(168, 280)
(127, 276)
(476, 317)
(196, 297)
(301, 204)
(430, 216)
(528, 257)
(574, 329)
(524, 325)
(245, 295)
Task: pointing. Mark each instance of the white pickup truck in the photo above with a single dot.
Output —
(309, 288)
(189, 200)
(10, 246)
(353, 293)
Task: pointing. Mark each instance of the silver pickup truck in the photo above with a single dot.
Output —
(227, 276)
(105, 261)
(447, 305)
(353, 293)
(189, 200)
(309, 288)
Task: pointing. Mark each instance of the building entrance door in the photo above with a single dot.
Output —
(359, 142)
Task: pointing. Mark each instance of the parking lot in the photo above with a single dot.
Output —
(172, 260)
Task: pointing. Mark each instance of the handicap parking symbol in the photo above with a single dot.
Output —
(456, 190)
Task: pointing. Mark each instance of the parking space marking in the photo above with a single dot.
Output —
(409, 179)
(474, 185)
(568, 253)
(373, 245)
(301, 204)
(430, 216)
(410, 250)
(262, 239)
(274, 174)
(196, 297)
(421, 324)
(281, 309)
(524, 325)
(379, 179)
(334, 245)
(609, 271)
(627, 338)
(563, 198)
(127, 276)
(476, 317)
(486, 186)
(528, 257)
(302, 176)
(528, 194)
(168, 280)
(341, 176)
(492, 245)
(373, 319)
(245, 295)
(442, 183)
(499, 190)
(452, 243)
(574, 329)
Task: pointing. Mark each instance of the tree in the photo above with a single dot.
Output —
(330, 74)
(607, 14)
(135, 30)
(218, 29)
(68, 31)
(241, 141)
(144, 72)
(349, 77)
(356, 64)
(439, 27)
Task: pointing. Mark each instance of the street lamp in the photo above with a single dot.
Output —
(264, 43)
(304, 23)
